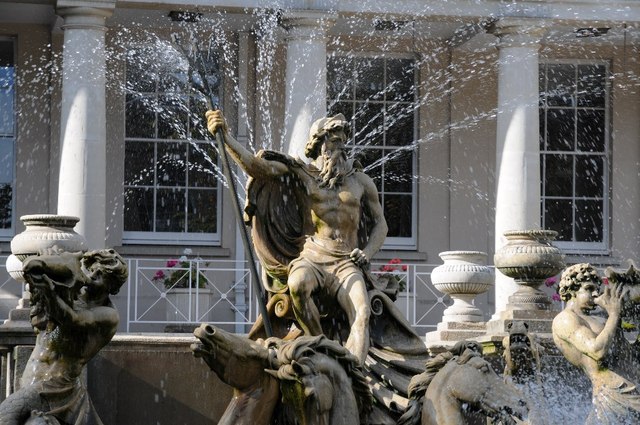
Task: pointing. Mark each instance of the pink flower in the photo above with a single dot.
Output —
(556, 297)
(386, 268)
(550, 282)
(172, 263)
(605, 280)
(395, 261)
(158, 276)
(404, 267)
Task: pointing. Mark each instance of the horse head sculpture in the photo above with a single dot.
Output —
(459, 385)
(316, 380)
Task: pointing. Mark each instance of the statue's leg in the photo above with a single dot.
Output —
(352, 297)
(16, 409)
(302, 282)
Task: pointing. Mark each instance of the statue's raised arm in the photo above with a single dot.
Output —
(253, 165)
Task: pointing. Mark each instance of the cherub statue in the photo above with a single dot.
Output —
(73, 318)
(597, 344)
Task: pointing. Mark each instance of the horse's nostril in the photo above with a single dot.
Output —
(209, 330)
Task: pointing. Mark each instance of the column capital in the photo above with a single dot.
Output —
(307, 24)
(85, 14)
(519, 32)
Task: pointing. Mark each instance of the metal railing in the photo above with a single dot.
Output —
(161, 293)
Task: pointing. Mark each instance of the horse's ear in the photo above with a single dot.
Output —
(297, 368)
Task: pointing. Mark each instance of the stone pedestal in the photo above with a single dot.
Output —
(528, 258)
(463, 276)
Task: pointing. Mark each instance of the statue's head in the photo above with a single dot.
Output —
(106, 269)
(574, 277)
(319, 132)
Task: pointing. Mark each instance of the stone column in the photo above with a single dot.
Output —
(306, 76)
(81, 189)
(517, 144)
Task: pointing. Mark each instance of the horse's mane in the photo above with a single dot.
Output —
(461, 352)
(302, 349)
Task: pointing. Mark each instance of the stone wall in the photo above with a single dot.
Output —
(155, 380)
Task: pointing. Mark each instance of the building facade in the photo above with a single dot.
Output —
(473, 118)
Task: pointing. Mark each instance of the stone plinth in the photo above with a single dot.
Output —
(154, 378)
(448, 333)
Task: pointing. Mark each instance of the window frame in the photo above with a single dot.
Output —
(391, 243)
(171, 238)
(577, 247)
(7, 234)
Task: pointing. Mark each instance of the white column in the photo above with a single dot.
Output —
(81, 189)
(306, 76)
(517, 144)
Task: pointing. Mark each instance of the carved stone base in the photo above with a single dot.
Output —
(539, 321)
(448, 333)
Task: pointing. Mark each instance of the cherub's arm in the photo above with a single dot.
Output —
(379, 229)
(252, 165)
(570, 329)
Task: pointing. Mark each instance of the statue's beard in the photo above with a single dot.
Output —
(335, 167)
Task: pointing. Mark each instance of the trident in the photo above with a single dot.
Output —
(196, 62)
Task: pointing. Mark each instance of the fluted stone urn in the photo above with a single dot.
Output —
(42, 231)
(529, 257)
(463, 276)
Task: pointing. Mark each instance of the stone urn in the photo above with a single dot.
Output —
(529, 257)
(463, 276)
(42, 231)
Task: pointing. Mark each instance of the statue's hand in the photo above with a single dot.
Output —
(359, 257)
(612, 298)
(215, 120)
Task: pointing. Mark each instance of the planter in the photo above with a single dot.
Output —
(529, 258)
(46, 231)
(187, 305)
(463, 276)
(43, 231)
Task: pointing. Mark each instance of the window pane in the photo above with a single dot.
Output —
(170, 211)
(344, 108)
(6, 160)
(139, 79)
(173, 114)
(369, 78)
(397, 212)
(589, 176)
(371, 160)
(5, 206)
(560, 130)
(202, 211)
(174, 82)
(400, 80)
(202, 158)
(138, 163)
(560, 85)
(172, 164)
(589, 222)
(591, 85)
(399, 126)
(558, 179)
(138, 210)
(140, 117)
(542, 124)
(396, 177)
(591, 131)
(369, 124)
(558, 216)
(340, 78)
(7, 112)
(198, 124)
